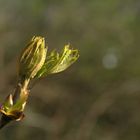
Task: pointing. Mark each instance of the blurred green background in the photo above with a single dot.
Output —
(98, 98)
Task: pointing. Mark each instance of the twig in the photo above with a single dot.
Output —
(20, 89)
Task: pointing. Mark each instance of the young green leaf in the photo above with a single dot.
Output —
(56, 62)
(32, 58)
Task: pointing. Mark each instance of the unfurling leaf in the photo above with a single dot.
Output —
(32, 58)
(56, 62)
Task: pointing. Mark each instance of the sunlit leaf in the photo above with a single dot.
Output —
(56, 62)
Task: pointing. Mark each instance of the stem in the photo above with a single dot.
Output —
(4, 121)
(20, 88)
(25, 84)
